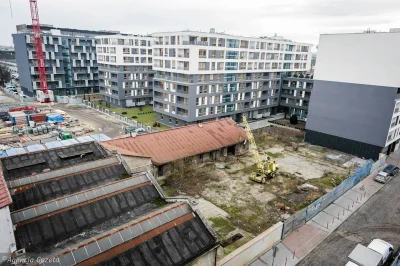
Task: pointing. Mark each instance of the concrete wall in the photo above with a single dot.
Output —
(352, 111)
(138, 164)
(254, 248)
(7, 243)
(369, 58)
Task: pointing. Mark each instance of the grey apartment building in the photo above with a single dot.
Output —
(355, 107)
(70, 59)
(295, 94)
(207, 76)
(125, 69)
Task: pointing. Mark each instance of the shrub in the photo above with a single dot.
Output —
(293, 120)
(134, 116)
(124, 113)
(140, 108)
(301, 76)
(295, 75)
(155, 124)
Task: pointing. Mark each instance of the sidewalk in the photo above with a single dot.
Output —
(301, 242)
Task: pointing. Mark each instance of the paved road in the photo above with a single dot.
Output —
(108, 125)
(378, 218)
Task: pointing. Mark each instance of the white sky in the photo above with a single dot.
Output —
(299, 20)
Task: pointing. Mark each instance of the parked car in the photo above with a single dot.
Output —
(140, 131)
(391, 169)
(382, 177)
(396, 258)
(376, 254)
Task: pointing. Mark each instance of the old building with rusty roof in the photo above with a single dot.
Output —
(81, 205)
(201, 142)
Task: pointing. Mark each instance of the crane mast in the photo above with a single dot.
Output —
(263, 173)
(37, 36)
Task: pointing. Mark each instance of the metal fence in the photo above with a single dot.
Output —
(122, 118)
(306, 214)
(17, 96)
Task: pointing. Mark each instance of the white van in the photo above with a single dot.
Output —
(376, 254)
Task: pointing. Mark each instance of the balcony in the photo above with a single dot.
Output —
(184, 114)
(195, 43)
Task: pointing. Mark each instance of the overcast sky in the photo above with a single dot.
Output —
(299, 20)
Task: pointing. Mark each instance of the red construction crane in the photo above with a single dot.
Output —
(37, 36)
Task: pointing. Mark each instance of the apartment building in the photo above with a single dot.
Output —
(206, 76)
(125, 69)
(355, 106)
(295, 95)
(70, 59)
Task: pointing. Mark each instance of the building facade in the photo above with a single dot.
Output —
(125, 69)
(295, 95)
(206, 76)
(355, 106)
(70, 60)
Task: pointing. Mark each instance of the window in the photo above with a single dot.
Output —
(231, 66)
(176, 121)
(232, 55)
(232, 43)
(202, 53)
(125, 50)
(398, 90)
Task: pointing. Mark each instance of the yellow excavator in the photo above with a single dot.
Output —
(265, 169)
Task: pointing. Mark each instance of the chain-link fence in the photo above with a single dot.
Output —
(301, 217)
(120, 117)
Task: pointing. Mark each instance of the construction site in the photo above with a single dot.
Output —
(238, 204)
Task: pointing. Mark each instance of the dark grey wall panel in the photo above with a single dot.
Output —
(352, 111)
(356, 148)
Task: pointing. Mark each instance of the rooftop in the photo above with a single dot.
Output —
(44, 160)
(173, 144)
(86, 208)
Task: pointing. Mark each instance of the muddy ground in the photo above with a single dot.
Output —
(305, 174)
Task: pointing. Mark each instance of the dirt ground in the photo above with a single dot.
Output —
(305, 174)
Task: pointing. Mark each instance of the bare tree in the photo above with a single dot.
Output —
(5, 75)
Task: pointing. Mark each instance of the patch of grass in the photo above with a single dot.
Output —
(318, 148)
(159, 202)
(250, 169)
(144, 114)
(221, 226)
(274, 155)
(327, 181)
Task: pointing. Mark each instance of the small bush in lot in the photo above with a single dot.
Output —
(134, 116)
(124, 113)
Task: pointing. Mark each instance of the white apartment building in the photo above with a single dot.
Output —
(125, 69)
(206, 76)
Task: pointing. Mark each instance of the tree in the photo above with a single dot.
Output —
(301, 75)
(5, 75)
(295, 75)
(293, 120)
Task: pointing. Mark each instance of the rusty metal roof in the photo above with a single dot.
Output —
(169, 145)
(5, 197)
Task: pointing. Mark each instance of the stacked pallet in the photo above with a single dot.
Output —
(37, 117)
(18, 118)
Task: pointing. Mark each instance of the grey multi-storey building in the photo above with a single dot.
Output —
(295, 95)
(70, 60)
(206, 76)
(355, 103)
(125, 69)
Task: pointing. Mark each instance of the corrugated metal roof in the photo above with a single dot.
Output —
(169, 145)
(5, 197)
